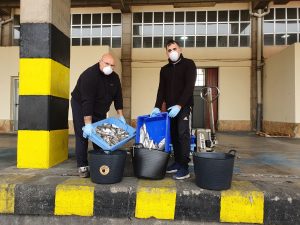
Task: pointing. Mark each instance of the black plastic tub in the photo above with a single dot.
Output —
(107, 168)
(214, 170)
(149, 164)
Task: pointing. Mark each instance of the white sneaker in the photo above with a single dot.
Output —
(84, 171)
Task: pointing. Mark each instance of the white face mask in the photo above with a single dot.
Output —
(107, 70)
(174, 56)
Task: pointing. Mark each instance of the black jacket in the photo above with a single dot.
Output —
(176, 84)
(95, 91)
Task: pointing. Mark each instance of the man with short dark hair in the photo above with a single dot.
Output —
(176, 86)
(97, 87)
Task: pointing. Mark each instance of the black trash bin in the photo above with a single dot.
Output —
(149, 164)
(214, 170)
(107, 168)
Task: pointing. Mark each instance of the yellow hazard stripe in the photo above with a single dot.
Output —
(243, 203)
(41, 149)
(7, 198)
(75, 197)
(43, 76)
(156, 199)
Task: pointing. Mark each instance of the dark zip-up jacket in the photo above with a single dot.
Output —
(176, 84)
(95, 91)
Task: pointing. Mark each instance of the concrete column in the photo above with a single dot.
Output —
(253, 87)
(7, 34)
(126, 63)
(44, 83)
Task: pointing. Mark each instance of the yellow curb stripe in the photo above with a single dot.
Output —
(48, 148)
(75, 197)
(43, 76)
(7, 198)
(156, 199)
(243, 203)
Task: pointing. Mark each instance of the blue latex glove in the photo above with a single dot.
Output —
(87, 130)
(154, 112)
(122, 119)
(174, 110)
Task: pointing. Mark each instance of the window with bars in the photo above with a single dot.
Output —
(226, 28)
(282, 26)
(97, 29)
(88, 29)
(200, 78)
(16, 30)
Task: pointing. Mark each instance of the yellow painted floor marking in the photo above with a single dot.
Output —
(243, 203)
(75, 196)
(7, 198)
(156, 199)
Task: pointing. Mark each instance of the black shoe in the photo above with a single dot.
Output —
(173, 168)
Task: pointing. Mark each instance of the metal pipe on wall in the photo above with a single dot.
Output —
(4, 22)
(258, 73)
(259, 65)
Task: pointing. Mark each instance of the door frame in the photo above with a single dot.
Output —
(14, 102)
(212, 80)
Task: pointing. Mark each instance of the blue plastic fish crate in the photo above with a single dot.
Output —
(103, 144)
(158, 128)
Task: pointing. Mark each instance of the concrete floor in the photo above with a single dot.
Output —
(271, 164)
(256, 156)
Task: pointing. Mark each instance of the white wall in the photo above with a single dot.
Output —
(234, 78)
(280, 93)
(234, 100)
(83, 57)
(9, 67)
(297, 82)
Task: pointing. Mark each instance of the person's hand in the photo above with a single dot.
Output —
(122, 119)
(87, 130)
(174, 110)
(154, 112)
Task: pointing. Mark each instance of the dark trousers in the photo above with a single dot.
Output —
(81, 145)
(180, 136)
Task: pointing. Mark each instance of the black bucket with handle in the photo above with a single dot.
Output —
(107, 168)
(149, 164)
(214, 170)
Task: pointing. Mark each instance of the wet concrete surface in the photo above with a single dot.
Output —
(271, 164)
(256, 156)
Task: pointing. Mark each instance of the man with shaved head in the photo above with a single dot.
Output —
(97, 87)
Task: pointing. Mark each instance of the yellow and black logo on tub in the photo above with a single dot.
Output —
(104, 170)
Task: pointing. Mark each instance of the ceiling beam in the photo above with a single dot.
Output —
(125, 5)
(260, 4)
(281, 2)
(191, 4)
(121, 5)
(172, 2)
(90, 3)
(10, 4)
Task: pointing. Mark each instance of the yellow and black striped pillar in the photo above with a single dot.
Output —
(44, 83)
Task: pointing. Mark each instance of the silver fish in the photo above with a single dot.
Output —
(111, 133)
(147, 142)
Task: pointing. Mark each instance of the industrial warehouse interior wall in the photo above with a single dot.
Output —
(234, 81)
(9, 65)
(234, 104)
(281, 92)
(83, 57)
